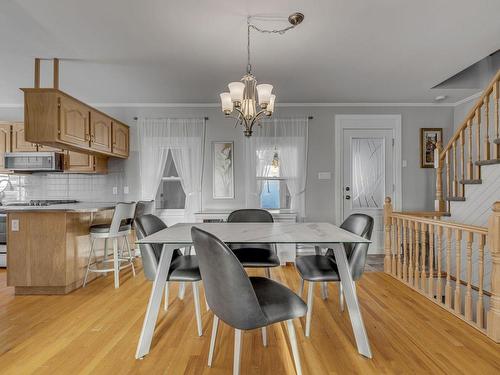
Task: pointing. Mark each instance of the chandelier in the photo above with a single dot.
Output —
(240, 103)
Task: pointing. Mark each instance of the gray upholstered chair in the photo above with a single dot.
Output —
(322, 268)
(254, 255)
(240, 301)
(183, 268)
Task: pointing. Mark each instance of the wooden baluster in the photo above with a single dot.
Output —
(439, 263)
(487, 127)
(417, 250)
(399, 248)
(455, 170)
(478, 141)
(431, 261)
(387, 235)
(493, 326)
(462, 163)
(448, 177)
(405, 249)
(410, 257)
(497, 120)
(394, 246)
(447, 289)
(480, 285)
(423, 253)
(468, 293)
(470, 164)
(439, 203)
(458, 266)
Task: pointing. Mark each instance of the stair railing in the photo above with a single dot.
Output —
(461, 159)
(456, 266)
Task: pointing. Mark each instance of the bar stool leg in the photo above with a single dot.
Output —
(88, 262)
(130, 259)
(105, 254)
(116, 263)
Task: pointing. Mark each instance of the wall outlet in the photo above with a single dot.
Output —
(115, 190)
(405, 164)
(125, 190)
(324, 176)
(14, 225)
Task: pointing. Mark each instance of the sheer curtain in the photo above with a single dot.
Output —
(185, 139)
(289, 137)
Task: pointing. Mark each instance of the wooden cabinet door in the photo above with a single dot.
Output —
(100, 132)
(19, 144)
(78, 162)
(120, 139)
(4, 143)
(73, 122)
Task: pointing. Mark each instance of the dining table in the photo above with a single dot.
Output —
(320, 235)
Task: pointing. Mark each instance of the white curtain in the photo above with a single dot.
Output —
(289, 138)
(185, 139)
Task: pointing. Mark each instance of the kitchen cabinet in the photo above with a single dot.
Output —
(55, 119)
(120, 139)
(19, 144)
(100, 132)
(5, 146)
(77, 162)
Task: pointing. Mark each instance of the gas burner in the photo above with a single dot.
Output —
(50, 202)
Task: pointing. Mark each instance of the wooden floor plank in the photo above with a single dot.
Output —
(95, 331)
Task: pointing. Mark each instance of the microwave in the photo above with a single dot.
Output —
(34, 161)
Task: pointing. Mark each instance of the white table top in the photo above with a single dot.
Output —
(303, 233)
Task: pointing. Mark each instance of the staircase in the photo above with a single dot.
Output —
(474, 147)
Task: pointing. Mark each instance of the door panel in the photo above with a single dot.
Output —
(120, 139)
(368, 177)
(78, 162)
(19, 144)
(100, 130)
(4, 143)
(74, 122)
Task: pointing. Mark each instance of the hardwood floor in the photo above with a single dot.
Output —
(95, 330)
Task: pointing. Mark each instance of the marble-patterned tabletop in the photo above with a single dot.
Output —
(303, 233)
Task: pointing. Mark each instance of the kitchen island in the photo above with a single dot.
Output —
(48, 246)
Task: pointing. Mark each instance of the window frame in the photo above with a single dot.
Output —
(172, 211)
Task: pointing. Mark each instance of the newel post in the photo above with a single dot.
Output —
(493, 329)
(387, 234)
(439, 203)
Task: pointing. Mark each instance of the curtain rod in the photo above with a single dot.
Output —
(206, 118)
(161, 118)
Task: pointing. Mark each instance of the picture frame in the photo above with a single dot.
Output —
(428, 142)
(223, 169)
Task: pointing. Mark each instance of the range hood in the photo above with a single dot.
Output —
(34, 161)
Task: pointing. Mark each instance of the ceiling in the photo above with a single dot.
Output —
(165, 51)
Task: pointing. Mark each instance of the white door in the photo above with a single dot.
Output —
(367, 177)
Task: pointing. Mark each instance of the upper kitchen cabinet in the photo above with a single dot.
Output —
(19, 144)
(56, 119)
(120, 139)
(76, 162)
(4, 143)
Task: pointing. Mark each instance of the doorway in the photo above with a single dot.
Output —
(368, 168)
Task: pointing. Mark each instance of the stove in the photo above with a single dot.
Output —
(50, 202)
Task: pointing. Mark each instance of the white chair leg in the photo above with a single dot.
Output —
(116, 263)
(131, 260)
(165, 302)
(206, 304)
(89, 262)
(295, 348)
(215, 326)
(196, 298)
(310, 299)
(264, 336)
(268, 272)
(301, 288)
(341, 298)
(324, 290)
(237, 352)
(182, 290)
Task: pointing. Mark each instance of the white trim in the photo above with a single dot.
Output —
(396, 131)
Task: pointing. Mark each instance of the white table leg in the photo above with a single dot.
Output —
(352, 303)
(148, 327)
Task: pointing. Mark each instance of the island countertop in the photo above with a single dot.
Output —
(71, 207)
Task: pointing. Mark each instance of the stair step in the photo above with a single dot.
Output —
(456, 199)
(497, 141)
(488, 162)
(471, 182)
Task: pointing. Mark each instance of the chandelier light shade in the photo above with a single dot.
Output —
(240, 102)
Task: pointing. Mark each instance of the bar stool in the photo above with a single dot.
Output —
(119, 228)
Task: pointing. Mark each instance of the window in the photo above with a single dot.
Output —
(170, 194)
(274, 191)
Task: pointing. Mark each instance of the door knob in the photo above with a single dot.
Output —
(347, 188)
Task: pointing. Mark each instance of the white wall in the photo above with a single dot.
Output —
(418, 183)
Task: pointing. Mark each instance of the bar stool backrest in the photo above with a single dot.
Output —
(144, 208)
(124, 213)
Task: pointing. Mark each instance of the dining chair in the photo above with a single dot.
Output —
(323, 269)
(241, 301)
(119, 228)
(254, 255)
(142, 208)
(183, 268)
